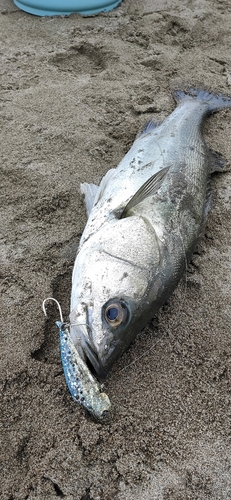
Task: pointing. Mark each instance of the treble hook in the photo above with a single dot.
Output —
(58, 305)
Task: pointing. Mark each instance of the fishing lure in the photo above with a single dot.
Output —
(82, 385)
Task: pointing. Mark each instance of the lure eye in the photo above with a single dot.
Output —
(115, 313)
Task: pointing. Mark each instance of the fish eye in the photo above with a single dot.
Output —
(115, 313)
(112, 313)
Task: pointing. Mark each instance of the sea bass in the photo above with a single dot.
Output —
(144, 220)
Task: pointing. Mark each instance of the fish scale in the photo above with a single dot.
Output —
(144, 220)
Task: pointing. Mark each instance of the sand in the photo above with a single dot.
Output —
(74, 93)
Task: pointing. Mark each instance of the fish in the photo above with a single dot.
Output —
(144, 221)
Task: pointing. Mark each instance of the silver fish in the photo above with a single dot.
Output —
(144, 220)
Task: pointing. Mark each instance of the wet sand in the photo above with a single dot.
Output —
(74, 93)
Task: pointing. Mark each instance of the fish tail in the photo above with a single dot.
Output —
(214, 101)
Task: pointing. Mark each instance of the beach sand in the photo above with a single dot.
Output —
(74, 93)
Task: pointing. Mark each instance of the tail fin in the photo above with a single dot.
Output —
(214, 102)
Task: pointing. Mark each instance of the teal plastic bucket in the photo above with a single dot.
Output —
(66, 7)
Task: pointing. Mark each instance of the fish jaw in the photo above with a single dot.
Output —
(98, 344)
(81, 332)
(109, 344)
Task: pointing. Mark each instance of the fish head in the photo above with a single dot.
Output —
(111, 295)
(99, 329)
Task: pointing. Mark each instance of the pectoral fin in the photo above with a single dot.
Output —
(149, 188)
(93, 193)
(89, 191)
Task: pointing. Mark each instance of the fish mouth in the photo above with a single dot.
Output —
(92, 360)
(86, 349)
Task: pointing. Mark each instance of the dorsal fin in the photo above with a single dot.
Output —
(149, 188)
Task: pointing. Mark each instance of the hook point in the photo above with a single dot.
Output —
(58, 305)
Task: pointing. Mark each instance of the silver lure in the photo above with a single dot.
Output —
(82, 385)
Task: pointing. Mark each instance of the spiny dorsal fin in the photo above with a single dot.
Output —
(149, 188)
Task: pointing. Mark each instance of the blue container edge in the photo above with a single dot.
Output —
(42, 12)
